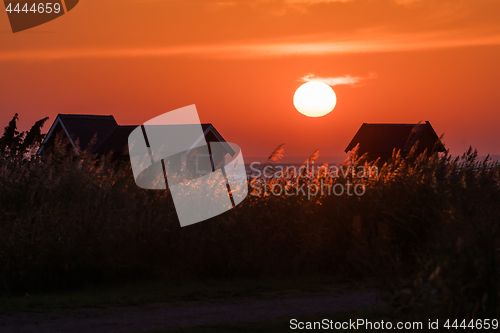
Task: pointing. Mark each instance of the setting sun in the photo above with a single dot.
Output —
(314, 99)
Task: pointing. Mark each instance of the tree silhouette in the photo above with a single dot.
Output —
(16, 141)
(34, 135)
(11, 137)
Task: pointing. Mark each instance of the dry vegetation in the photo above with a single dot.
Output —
(429, 228)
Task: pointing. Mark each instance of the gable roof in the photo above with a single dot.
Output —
(209, 128)
(384, 138)
(110, 135)
(117, 140)
(83, 127)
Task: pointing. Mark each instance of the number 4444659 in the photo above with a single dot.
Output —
(474, 324)
(43, 7)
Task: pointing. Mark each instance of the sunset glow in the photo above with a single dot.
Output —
(234, 156)
(387, 61)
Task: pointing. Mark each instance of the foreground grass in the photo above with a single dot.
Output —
(171, 291)
(431, 220)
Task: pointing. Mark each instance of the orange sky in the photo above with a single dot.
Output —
(241, 61)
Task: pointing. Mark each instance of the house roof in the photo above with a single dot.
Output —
(210, 128)
(117, 140)
(387, 137)
(83, 128)
(110, 135)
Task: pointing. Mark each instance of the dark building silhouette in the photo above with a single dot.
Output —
(380, 140)
(80, 129)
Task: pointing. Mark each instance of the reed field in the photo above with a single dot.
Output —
(427, 227)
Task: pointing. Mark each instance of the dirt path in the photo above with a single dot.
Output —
(186, 314)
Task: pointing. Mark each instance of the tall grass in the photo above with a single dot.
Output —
(67, 220)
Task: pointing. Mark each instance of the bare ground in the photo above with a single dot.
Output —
(187, 314)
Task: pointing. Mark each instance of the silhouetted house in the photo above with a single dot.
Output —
(78, 130)
(380, 140)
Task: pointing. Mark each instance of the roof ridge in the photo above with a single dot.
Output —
(393, 124)
(79, 115)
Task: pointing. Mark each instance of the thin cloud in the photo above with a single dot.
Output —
(363, 44)
(312, 2)
(406, 2)
(400, 2)
(339, 80)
